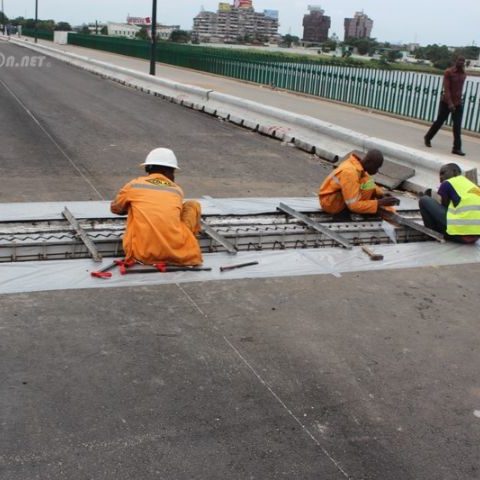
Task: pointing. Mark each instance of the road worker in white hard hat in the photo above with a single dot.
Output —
(161, 227)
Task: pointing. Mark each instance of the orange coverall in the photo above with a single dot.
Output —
(349, 186)
(160, 227)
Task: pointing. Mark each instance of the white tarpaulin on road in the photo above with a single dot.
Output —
(75, 274)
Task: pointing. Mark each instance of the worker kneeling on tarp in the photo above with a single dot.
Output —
(350, 188)
(456, 213)
(161, 227)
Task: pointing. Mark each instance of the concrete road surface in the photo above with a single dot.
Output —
(366, 376)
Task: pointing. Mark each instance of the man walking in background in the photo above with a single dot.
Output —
(451, 103)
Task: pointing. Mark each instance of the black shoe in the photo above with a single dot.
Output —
(458, 152)
(427, 142)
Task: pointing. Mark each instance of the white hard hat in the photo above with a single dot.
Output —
(162, 156)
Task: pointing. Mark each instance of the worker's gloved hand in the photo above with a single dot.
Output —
(427, 192)
(388, 201)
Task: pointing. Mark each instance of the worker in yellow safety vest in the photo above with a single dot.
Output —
(350, 188)
(457, 215)
(161, 227)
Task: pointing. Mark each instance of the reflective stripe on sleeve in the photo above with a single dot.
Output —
(352, 200)
(336, 180)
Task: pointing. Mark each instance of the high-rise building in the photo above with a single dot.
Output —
(233, 21)
(360, 26)
(315, 25)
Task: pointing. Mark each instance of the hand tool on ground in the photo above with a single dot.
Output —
(238, 265)
(124, 264)
(373, 256)
(105, 271)
(166, 268)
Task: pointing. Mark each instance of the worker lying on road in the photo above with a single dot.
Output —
(458, 214)
(160, 226)
(350, 188)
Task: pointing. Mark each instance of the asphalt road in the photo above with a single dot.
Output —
(366, 376)
(92, 134)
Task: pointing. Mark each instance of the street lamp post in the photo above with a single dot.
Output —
(4, 27)
(36, 21)
(153, 52)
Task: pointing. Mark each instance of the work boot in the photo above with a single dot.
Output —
(458, 152)
(427, 142)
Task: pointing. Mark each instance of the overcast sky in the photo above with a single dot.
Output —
(424, 21)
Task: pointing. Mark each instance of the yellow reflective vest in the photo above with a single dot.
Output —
(464, 219)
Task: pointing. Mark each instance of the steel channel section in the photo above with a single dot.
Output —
(214, 235)
(406, 222)
(82, 234)
(52, 240)
(315, 225)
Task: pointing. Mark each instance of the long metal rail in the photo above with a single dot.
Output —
(44, 240)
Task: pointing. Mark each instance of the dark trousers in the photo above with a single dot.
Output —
(443, 113)
(433, 214)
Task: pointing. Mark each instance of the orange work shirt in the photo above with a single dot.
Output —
(349, 186)
(155, 232)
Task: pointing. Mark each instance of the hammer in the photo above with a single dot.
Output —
(373, 256)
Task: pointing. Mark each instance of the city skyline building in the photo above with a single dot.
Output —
(126, 30)
(133, 26)
(315, 25)
(232, 21)
(360, 26)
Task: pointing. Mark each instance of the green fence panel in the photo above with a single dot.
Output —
(41, 34)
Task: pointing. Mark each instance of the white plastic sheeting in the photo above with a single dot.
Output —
(75, 274)
(22, 212)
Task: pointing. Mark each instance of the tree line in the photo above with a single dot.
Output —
(440, 56)
(29, 23)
